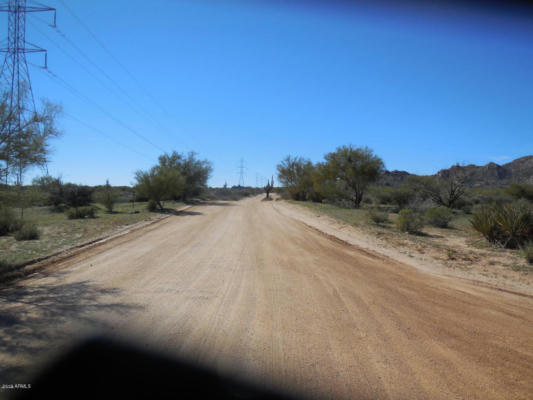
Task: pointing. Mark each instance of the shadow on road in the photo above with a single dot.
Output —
(224, 203)
(34, 318)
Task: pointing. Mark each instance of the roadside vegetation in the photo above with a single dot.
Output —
(442, 208)
(51, 215)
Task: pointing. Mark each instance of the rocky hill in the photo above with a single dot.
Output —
(489, 175)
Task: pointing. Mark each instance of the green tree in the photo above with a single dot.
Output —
(295, 173)
(354, 169)
(195, 172)
(161, 182)
(52, 189)
(28, 145)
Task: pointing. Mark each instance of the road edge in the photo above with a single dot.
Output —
(35, 265)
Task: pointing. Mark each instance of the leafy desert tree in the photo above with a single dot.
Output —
(26, 197)
(163, 181)
(354, 168)
(52, 188)
(195, 172)
(28, 145)
(295, 173)
(444, 190)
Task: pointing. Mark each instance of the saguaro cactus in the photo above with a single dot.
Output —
(269, 188)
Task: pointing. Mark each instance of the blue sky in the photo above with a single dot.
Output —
(231, 80)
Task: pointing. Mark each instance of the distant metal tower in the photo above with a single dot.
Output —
(14, 73)
(241, 173)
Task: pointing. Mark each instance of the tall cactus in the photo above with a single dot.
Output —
(269, 187)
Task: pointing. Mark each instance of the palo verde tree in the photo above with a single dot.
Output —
(175, 177)
(195, 172)
(27, 145)
(354, 169)
(295, 173)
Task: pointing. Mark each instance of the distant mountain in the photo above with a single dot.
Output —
(489, 175)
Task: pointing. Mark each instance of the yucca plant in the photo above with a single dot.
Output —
(508, 225)
(515, 223)
(484, 222)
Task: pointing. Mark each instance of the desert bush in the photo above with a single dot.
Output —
(107, 196)
(77, 195)
(7, 221)
(527, 251)
(81, 212)
(521, 191)
(439, 216)
(508, 225)
(490, 196)
(378, 217)
(409, 221)
(381, 195)
(27, 232)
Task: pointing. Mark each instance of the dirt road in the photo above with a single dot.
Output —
(242, 286)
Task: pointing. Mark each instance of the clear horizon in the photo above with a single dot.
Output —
(424, 88)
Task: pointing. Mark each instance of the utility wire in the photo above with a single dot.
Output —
(83, 66)
(109, 137)
(130, 101)
(115, 59)
(93, 128)
(88, 100)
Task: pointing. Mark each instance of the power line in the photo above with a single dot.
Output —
(133, 103)
(102, 133)
(102, 83)
(88, 100)
(120, 92)
(115, 59)
(93, 128)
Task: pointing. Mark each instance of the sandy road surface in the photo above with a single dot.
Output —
(241, 286)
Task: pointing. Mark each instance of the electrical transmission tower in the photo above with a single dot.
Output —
(14, 73)
(241, 173)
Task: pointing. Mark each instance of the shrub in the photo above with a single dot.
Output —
(484, 221)
(439, 216)
(81, 212)
(409, 221)
(507, 225)
(152, 205)
(107, 196)
(401, 196)
(378, 217)
(7, 221)
(27, 232)
(527, 250)
(521, 191)
(77, 195)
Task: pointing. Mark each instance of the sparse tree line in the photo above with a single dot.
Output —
(176, 177)
(349, 177)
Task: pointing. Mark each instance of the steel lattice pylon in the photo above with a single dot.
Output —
(15, 74)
